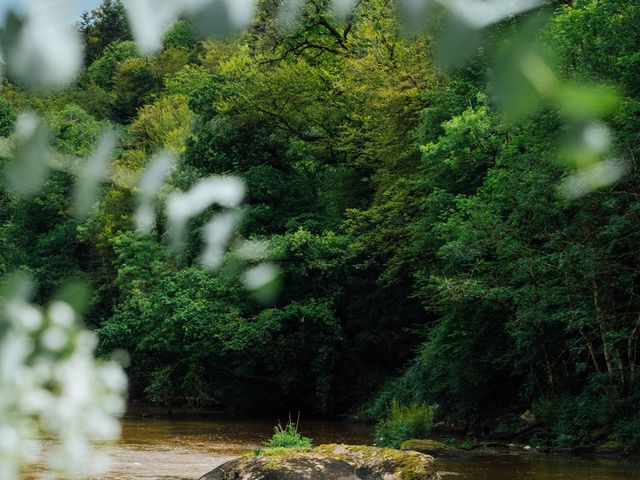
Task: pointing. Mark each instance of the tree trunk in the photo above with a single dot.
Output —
(592, 352)
(603, 333)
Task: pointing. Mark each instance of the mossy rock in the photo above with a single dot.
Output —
(383, 463)
(432, 447)
(273, 467)
(329, 462)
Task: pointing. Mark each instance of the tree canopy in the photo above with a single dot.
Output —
(442, 228)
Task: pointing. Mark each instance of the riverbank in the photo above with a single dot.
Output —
(511, 446)
(526, 434)
(446, 448)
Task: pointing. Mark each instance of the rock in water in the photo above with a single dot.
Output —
(279, 468)
(329, 462)
(433, 448)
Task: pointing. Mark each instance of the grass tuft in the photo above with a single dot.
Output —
(404, 423)
(288, 437)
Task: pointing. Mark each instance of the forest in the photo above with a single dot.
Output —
(445, 230)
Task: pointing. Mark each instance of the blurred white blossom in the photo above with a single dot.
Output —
(150, 19)
(343, 8)
(482, 13)
(260, 276)
(251, 250)
(28, 170)
(597, 137)
(48, 51)
(227, 192)
(93, 173)
(240, 11)
(149, 187)
(216, 236)
(592, 178)
(52, 387)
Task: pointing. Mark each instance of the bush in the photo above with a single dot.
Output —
(404, 423)
(627, 432)
(288, 437)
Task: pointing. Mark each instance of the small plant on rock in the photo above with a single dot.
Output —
(288, 437)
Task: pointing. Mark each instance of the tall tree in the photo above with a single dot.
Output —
(102, 26)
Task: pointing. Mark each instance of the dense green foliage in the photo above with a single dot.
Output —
(7, 118)
(427, 255)
(402, 423)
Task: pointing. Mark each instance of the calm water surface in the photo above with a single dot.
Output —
(186, 448)
(538, 467)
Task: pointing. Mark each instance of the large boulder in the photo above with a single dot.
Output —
(271, 467)
(329, 462)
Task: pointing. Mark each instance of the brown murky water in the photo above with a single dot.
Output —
(538, 467)
(187, 448)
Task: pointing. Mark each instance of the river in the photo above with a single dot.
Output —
(186, 448)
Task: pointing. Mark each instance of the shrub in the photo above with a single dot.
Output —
(404, 423)
(288, 437)
(627, 432)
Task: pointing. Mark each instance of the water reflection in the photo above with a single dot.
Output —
(538, 467)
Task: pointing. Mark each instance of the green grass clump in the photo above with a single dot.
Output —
(404, 423)
(288, 437)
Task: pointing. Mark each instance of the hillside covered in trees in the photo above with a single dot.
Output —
(413, 204)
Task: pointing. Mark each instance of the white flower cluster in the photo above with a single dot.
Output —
(52, 388)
